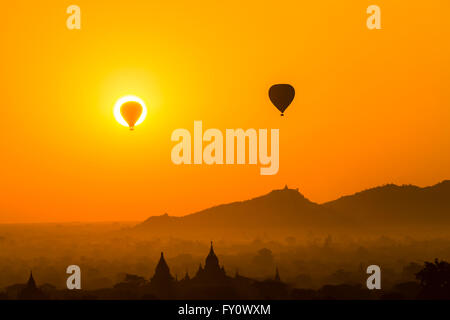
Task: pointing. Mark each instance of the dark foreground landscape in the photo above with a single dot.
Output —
(277, 246)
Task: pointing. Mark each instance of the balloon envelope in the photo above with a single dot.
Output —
(281, 96)
(131, 112)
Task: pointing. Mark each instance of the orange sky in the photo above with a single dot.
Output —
(371, 107)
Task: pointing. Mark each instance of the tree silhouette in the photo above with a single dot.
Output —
(435, 280)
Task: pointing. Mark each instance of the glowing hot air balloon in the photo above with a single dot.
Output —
(130, 111)
(281, 96)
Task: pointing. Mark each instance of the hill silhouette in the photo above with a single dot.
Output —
(392, 205)
(287, 212)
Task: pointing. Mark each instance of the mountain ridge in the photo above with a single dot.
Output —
(286, 209)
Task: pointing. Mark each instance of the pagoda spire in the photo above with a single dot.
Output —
(162, 271)
(277, 275)
(31, 283)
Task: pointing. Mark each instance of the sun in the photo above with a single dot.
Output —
(125, 99)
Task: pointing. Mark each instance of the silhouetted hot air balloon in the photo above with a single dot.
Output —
(281, 96)
(131, 112)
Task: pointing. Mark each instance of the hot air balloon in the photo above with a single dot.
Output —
(281, 96)
(131, 112)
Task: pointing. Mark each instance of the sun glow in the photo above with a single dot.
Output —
(126, 99)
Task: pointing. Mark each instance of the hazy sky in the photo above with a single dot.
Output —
(371, 107)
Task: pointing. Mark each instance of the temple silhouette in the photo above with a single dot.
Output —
(212, 271)
(211, 281)
(31, 291)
